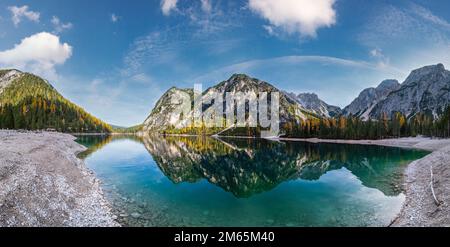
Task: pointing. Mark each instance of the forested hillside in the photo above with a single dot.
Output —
(386, 126)
(29, 102)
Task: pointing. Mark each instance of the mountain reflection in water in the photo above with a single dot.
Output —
(245, 167)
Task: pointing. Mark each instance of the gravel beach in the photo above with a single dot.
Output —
(43, 183)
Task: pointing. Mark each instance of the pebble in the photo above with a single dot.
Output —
(135, 215)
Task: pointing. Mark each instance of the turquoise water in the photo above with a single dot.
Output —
(180, 181)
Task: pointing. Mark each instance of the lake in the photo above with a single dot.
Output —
(202, 181)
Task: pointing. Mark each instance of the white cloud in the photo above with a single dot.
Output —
(404, 27)
(376, 52)
(245, 66)
(59, 26)
(380, 57)
(20, 12)
(204, 16)
(296, 16)
(141, 78)
(168, 5)
(39, 54)
(114, 18)
(206, 6)
(270, 30)
(426, 14)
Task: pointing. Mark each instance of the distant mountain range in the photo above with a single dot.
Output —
(426, 90)
(369, 98)
(312, 103)
(29, 102)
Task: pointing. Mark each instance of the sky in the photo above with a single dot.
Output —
(115, 58)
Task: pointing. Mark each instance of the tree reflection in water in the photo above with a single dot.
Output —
(246, 167)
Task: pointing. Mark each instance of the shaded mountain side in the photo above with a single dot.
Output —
(369, 98)
(312, 103)
(426, 91)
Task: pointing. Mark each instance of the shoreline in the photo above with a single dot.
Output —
(67, 193)
(426, 180)
(423, 143)
(44, 184)
(420, 208)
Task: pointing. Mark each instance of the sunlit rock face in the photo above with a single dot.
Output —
(164, 114)
(312, 103)
(363, 105)
(426, 90)
(7, 77)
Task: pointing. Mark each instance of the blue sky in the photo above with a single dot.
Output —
(115, 58)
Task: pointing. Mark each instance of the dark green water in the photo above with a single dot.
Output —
(181, 181)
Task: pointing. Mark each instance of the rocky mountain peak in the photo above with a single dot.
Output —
(7, 77)
(175, 90)
(390, 84)
(311, 96)
(239, 77)
(431, 72)
(243, 83)
(429, 69)
(426, 90)
(312, 102)
(369, 98)
(164, 115)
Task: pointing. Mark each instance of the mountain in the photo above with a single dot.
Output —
(426, 90)
(369, 98)
(312, 103)
(126, 130)
(30, 102)
(163, 115)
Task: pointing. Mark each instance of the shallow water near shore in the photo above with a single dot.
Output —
(195, 181)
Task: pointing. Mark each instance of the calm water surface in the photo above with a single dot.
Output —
(189, 181)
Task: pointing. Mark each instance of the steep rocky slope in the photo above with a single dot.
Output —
(369, 98)
(426, 90)
(165, 113)
(313, 103)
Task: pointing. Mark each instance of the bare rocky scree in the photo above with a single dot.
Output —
(43, 183)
